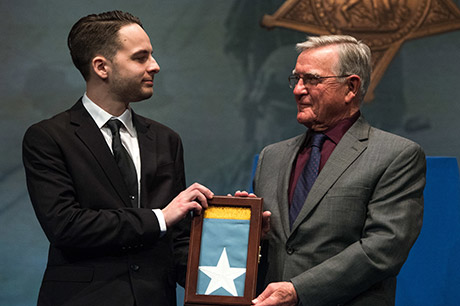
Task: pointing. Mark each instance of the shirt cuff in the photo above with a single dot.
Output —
(161, 220)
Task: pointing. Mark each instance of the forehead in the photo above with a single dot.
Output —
(317, 61)
(133, 39)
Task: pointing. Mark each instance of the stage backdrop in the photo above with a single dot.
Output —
(222, 86)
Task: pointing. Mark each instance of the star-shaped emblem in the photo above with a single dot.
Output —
(383, 25)
(222, 275)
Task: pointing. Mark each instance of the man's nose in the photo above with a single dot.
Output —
(153, 65)
(299, 88)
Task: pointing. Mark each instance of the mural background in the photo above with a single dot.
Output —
(222, 86)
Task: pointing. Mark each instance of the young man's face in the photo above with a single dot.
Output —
(133, 66)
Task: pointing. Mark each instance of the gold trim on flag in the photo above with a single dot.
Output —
(227, 212)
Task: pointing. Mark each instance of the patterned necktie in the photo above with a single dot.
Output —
(307, 177)
(124, 161)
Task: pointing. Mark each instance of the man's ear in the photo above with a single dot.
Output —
(100, 66)
(353, 86)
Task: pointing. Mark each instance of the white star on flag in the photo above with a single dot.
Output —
(222, 275)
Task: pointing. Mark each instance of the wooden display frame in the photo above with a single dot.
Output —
(255, 227)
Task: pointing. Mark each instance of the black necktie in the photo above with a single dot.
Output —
(307, 177)
(124, 161)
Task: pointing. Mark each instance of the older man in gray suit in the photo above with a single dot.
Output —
(342, 235)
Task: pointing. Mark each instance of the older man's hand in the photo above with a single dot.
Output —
(265, 215)
(277, 294)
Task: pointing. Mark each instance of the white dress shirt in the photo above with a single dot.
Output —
(128, 135)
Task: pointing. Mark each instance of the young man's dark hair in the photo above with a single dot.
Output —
(97, 34)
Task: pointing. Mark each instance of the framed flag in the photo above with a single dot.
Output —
(224, 252)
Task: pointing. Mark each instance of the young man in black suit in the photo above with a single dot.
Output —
(118, 226)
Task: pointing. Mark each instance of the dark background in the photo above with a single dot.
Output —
(222, 86)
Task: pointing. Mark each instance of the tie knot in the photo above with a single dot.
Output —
(114, 125)
(318, 140)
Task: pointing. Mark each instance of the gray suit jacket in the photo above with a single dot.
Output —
(355, 230)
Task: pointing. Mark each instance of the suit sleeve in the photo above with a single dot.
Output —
(394, 220)
(67, 222)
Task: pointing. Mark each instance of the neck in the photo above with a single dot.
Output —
(323, 127)
(105, 100)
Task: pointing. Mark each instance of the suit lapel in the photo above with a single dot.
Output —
(148, 151)
(88, 132)
(350, 147)
(288, 157)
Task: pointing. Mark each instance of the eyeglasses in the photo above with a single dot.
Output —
(310, 79)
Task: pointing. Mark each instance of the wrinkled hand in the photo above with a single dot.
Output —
(194, 198)
(266, 223)
(243, 194)
(277, 294)
(265, 215)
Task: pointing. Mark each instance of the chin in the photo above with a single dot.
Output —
(147, 95)
(305, 120)
(140, 98)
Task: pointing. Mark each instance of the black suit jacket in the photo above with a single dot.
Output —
(102, 250)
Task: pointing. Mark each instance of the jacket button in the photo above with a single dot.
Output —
(289, 250)
(134, 267)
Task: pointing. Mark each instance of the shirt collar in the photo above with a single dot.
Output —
(101, 117)
(336, 132)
